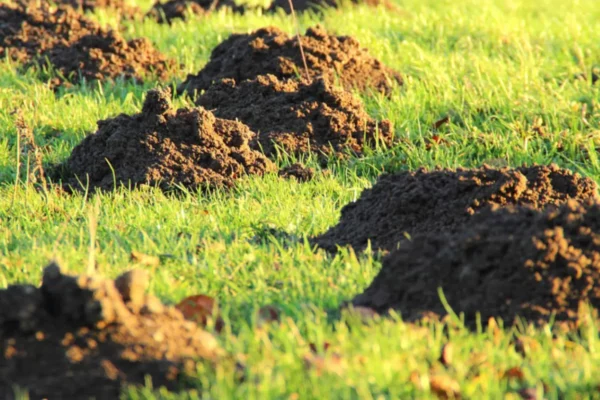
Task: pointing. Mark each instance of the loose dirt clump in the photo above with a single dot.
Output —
(75, 47)
(173, 9)
(160, 146)
(296, 116)
(443, 200)
(503, 263)
(123, 7)
(297, 171)
(85, 336)
(319, 5)
(272, 51)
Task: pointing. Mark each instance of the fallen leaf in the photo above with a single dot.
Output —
(441, 122)
(144, 259)
(514, 373)
(447, 354)
(435, 140)
(199, 308)
(444, 387)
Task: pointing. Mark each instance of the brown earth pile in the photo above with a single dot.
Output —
(123, 7)
(507, 262)
(427, 202)
(296, 116)
(297, 171)
(161, 146)
(82, 336)
(318, 5)
(75, 46)
(168, 11)
(272, 51)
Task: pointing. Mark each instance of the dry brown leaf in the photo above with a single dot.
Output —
(447, 354)
(514, 373)
(444, 387)
(199, 308)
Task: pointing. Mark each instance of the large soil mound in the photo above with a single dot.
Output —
(75, 46)
(297, 116)
(161, 146)
(443, 200)
(510, 262)
(272, 51)
(122, 6)
(173, 9)
(84, 336)
(318, 5)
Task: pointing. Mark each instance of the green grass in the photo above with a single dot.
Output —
(500, 69)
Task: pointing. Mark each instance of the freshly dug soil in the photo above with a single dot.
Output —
(427, 202)
(161, 146)
(85, 336)
(272, 51)
(318, 5)
(507, 262)
(297, 116)
(123, 7)
(297, 171)
(75, 46)
(168, 11)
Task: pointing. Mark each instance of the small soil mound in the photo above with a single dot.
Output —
(272, 51)
(75, 46)
(297, 171)
(173, 9)
(161, 146)
(508, 262)
(84, 336)
(123, 7)
(444, 200)
(318, 5)
(296, 116)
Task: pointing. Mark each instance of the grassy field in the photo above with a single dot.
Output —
(504, 71)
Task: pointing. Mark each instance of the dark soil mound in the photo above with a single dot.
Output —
(507, 262)
(444, 200)
(297, 171)
(318, 5)
(75, 46)
(84, 336)
(298, 117)
(173, 9)
(272, 51)
(161, 146)
(123, 7)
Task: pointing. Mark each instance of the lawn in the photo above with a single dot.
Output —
(508, 74)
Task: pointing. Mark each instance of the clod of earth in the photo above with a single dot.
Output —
(85, 336)
(298, 172)
(296, 116)
(445, 199)
(122, 6)
(76, 47)
(168, 11)
(505, 262)
(160, 146)
(319, 5)
(272, 51)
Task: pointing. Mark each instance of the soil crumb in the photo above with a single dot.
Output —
(298, 117)
(85, 336)
(297, 171)
(122, 7)
(505, 262)
(160, 146)
(272, 51)
(443, 200)
(75, 47)
(166, 12)
(319, 5)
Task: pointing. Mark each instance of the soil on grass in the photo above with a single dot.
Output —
(427, 202)
(121, 6)
(166, 12)
(505, 262)
(75, 47)
(272, 51)
(297, 117)
(318, 5)
(166, 147)
(85, 336)
(297, 171)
